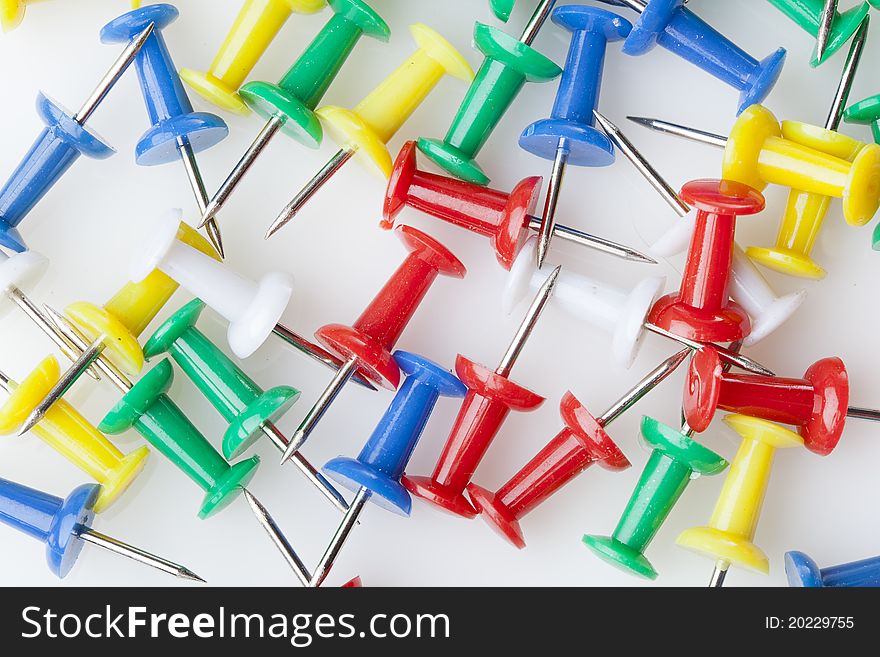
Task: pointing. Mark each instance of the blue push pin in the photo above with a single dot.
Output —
(375, 474)
(59, 145)
(64, 526)
(801, 570)
(680, 31)
(568, 136)
(177, 131)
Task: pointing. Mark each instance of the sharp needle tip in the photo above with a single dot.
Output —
(186, 573)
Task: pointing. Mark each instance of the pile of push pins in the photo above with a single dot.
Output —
(147, 339)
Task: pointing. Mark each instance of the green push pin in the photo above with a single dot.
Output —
(808, 15)
(502, 8)
(867, 112)
(508, 65)
(289, 105)
(250, 411)
(148, 410)
(674, 461)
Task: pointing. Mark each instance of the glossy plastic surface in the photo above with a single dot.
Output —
(679, 30)
(701, 309)
(572, 117)
(731, 530)
(816, 404)
(55, 150)
(125, 316)
(255, 27)
(377, 118)
(807, 14)
(50, 519)
(148, 410)
(168, 107)
(71, 435)
(240, 401)
(508, 65)
(252, 308)
(373, 335)
(675, 460)
(801, 570)
(502, 217)
(867, 111)
(758, 154)
(299, 91)
(580, 444)
(805, 211)
(385, 455)
(489, 400)
(619, 313)
(502, 8)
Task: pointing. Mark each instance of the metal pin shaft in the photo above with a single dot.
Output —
(726, 354)
(541, 13)
(235, 176)
(683, 131)
(826, 22)
(841, 95)
(718, 574)
(528, 324)
(284, 547)
(68, 378)
(317, 411)
(859, 413)
(554, 187)
(339, 538)
(116, 546)
(588, 240)
(194, 175)
(311, 188)
(112, 76)
(650, 381)
(317, 353)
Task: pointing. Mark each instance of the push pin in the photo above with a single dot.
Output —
(366, 129)
(146, 408)
(680, 31)
(701, 309)
(59, 145)
(675, 460)
(729, 536)
(569, 136)
(375, 474)
(250, 410)
(757, 154)
(509, 63)
(748, 287)
(176, 130)
(366, 345)
(70, 434)
(64, 525)
(822, 21)
(802, 571)
(867, 111)
(506, 219)
(816, 403)
(24, 270)
(581, 443)
(616, 311)
(252, 308)
(289, 106)
(255, 27)
(491, 396)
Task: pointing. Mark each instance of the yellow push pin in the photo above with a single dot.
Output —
(255, 27)
(731, 530)
(12, 12)
(70, 434)
(365, 130)
(757, 154)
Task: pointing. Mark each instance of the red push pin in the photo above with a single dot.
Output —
(491, 396)
(702, 310)
(366, 346)
(507, 219)
(816, 404)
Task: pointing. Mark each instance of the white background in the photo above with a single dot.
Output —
(89, 226)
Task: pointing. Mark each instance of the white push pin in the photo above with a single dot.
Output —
(252, 308)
